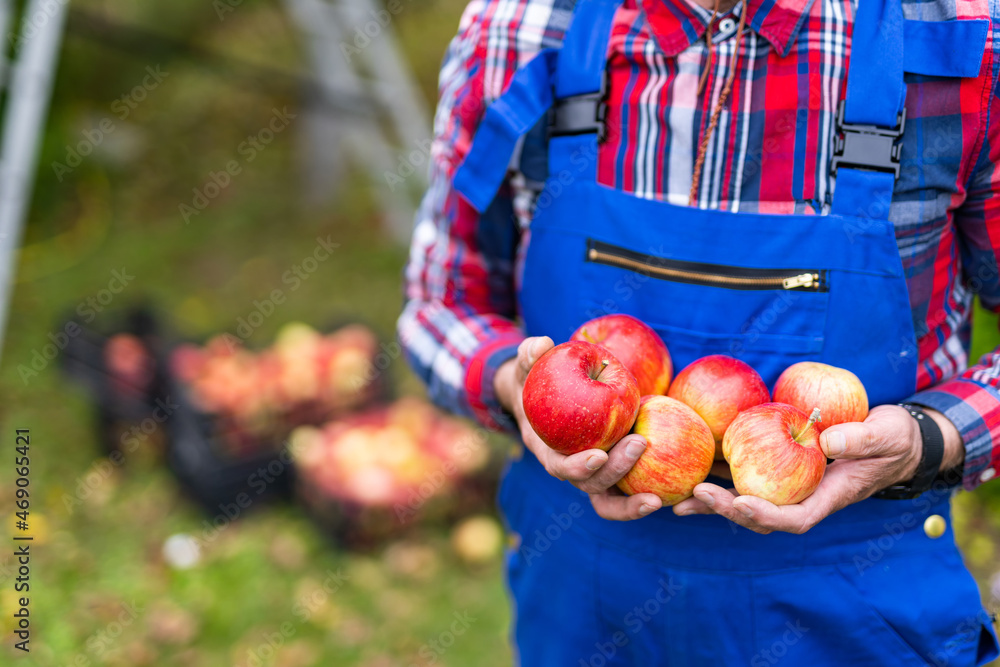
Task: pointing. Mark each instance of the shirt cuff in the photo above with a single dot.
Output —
(974, 409)
(479, 388)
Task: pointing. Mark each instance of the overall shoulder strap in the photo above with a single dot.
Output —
(571, 72)
(871, 116)
(585, 48)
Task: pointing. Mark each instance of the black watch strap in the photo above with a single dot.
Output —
(930, 459)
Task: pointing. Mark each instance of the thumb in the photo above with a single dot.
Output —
(530, 350)
(853, 440)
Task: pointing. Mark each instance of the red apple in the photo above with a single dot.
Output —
(636, 345)
(837, 392)
(719, 388)
(773, 452)
(577, 396)
(679, 452)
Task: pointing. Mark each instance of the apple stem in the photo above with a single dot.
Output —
(583, 332)
(604, 363)
(813, 418)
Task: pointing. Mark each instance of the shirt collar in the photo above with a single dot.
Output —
(677, 25)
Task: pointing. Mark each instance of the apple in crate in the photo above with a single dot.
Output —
(718, 388)
(679, 453)
(636, 345)
(837, 392)
(578, 396)
(773, 452)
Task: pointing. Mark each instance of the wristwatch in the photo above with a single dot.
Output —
(930, 460)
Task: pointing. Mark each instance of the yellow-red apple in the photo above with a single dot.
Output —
(636, 345)
(773, 452)
(679, 451)
(837, 392)
(718, 388)
(577, 396)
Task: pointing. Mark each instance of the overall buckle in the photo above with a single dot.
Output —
(867, 147)
(580, 114)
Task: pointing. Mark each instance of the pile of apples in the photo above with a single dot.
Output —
(378, 470)
(131, 368)
(614, 377)
(305, 377)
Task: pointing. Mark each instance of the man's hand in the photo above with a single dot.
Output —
(883, 450)
(593, 471)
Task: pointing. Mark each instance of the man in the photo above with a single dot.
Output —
(781, 138)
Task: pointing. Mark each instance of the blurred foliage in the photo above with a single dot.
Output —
(99, 552)
(103, 591)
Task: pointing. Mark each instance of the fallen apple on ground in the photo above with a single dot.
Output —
(636, 345)
(837, 392)
(578, 396)
(679, 451)
(773, 452)
(718, 388)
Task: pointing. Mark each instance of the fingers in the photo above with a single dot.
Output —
(621, 458)
(528, 353)
(576, 468)
(616, 507)
(885, 432)
(838, 489)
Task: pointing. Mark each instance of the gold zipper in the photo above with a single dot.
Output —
(773, 282)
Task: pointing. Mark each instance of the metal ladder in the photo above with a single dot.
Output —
(352, 48)
(391, 138)
(26, 79)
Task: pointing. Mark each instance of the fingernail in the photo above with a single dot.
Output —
(635, 448)
(595, 462)
(683, 512)
(645, 509)
(705, 498)
(836, 443)
(747, 512)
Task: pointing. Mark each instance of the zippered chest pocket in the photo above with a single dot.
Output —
(769, 317)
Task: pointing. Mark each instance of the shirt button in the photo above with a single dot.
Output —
(935, 526)
(987, 475)
(727, 25)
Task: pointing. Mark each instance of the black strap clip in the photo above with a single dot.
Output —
(867, 147)
(580, 114)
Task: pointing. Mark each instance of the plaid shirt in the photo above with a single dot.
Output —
(770, 153)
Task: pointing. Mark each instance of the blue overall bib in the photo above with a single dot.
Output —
(866, 586)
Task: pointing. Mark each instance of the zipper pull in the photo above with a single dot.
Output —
(802, 280)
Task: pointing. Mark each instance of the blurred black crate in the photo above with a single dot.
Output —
(125, 415)
(222, 485)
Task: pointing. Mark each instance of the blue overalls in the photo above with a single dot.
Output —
(866, 586)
